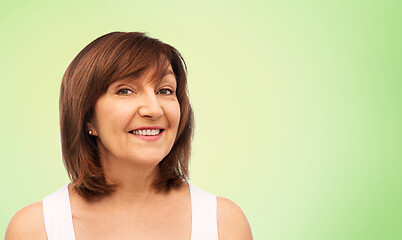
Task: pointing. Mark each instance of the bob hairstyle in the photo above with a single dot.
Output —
(109, 58)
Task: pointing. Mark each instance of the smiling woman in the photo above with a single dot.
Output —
(137, 121)
(126, 129)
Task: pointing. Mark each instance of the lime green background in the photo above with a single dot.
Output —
(297, 105)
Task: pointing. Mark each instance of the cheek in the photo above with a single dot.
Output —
(174, 115)
(112, 117)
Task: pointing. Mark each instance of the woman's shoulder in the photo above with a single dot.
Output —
(232, 222)
(27, 223)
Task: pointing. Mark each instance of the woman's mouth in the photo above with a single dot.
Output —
(147, 134)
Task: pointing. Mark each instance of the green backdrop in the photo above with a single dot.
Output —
(297, 105)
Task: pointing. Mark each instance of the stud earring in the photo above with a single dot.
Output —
(90, 132)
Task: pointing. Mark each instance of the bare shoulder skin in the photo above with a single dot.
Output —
(27, 223)
(232, 223)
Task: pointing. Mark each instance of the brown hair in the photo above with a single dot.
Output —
(107, 59)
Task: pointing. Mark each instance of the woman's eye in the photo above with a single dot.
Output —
(124, 91)
(166, 91)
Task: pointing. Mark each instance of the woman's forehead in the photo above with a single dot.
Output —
(152, 75)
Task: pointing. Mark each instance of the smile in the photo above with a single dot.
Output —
(146, 132)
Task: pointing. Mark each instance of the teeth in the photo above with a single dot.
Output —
(147, 132)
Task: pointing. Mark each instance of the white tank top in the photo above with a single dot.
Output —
(59, 221)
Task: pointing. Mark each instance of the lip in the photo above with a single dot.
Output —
(148, 138)
(147, 127)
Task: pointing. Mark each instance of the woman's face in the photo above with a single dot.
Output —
(137, 121)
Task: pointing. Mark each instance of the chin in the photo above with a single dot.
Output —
(150, 161)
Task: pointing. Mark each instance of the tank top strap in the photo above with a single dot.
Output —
(204, 215)
(57, 214)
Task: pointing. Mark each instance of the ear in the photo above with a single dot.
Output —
(91, 129)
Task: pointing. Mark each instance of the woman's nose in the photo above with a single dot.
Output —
(150, 106)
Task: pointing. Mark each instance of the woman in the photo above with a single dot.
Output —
(126, 126)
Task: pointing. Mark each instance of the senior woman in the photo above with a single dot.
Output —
(126, 128)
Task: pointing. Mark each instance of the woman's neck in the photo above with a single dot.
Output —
(134, 183)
